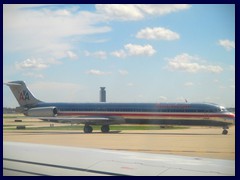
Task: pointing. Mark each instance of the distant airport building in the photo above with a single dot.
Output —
(102, 94)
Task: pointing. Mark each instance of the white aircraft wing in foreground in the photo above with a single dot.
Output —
(36, 159)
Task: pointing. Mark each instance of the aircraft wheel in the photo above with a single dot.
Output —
(87, 129)
(105, 128)
(225, 132)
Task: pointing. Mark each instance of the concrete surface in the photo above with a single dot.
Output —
(195, 141)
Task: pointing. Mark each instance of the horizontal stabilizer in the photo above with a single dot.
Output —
(12, 84)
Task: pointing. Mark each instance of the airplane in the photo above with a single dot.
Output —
(105, 114)
(27, 159)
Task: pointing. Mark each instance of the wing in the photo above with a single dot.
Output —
(35, 159)
(84, 120)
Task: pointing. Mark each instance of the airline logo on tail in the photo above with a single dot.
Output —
(23, 96)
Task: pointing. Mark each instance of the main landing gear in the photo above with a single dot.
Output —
(88, 129)
(105, 128)
(225, 131)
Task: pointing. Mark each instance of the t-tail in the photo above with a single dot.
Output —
(23, 95)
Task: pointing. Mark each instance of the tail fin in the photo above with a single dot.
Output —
(22, 93)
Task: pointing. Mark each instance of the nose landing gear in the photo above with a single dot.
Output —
(225, 131)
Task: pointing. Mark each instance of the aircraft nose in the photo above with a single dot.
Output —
(232, 115)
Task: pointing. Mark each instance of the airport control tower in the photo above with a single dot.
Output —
(102, 94)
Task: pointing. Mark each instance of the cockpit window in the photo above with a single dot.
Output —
(222, 108)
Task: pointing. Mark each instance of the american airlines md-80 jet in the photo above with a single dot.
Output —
(105, 114)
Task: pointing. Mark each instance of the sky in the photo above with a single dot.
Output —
(140, 53)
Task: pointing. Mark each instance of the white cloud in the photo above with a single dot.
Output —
(44, 30)
(134, 50)
(31, 64)
(214, 69)
(24, 6)
(71, 55)
(97, 72)
(51, 61)
(227, 44)
(62, 12)
(47, 30)
(129, 12)
(120, 11)
(120, 54)
(188, 84)
(100, 54)
(35, 64)
(123, 72)
(138, 50)
(157, 33)
(162, 9)
(188, 63)
(162, 98)
(97, 54)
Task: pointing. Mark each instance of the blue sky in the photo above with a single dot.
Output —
(140, 53)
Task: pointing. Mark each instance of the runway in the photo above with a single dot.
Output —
(195, 141)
